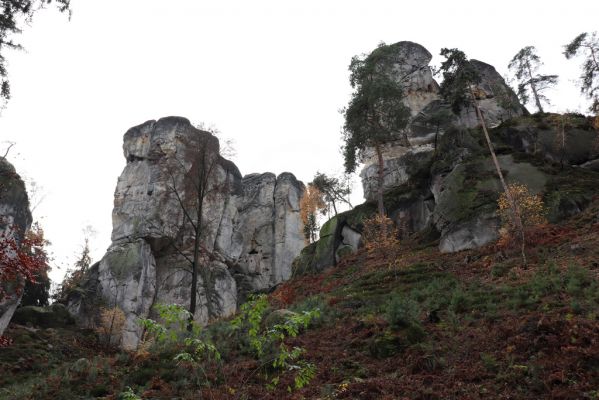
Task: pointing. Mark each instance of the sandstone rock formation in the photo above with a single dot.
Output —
(443, 186)
(496, 100)
(15, 219)
(498, 103)
(252, 229)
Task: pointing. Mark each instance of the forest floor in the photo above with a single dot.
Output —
(422, 325)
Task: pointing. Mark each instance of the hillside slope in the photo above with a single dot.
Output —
(468, 325)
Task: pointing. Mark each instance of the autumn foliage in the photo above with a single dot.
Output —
(311, 203)
(530, 208)
(111, 323)
(21, 263)
(381, 236)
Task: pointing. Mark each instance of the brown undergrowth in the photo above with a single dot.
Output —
(469, 325)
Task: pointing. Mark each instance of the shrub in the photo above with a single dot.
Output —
(459, 301)
(111, 324)
(128, 394)
(267, 343)
(489, 362)
(402, 312)
(526, 212)
(531, 208)
(327, 313)
(175, 320)
(380, 237)
(179, 330)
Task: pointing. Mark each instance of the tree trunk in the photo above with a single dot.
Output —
(201, 190)
(194, 278)
(514, 206)
(381, 206)
(563, 153)
(534, 89)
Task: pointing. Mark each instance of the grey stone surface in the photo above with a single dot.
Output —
(400, 164)
(411, 68)
(251, 229)
(351, 238)
(496, 100)
(464, 217)
(470, 234)
(580, 143)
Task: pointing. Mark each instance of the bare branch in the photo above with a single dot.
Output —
(10, 145)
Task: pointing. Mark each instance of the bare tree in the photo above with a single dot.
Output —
(9, 146)
(193, 179)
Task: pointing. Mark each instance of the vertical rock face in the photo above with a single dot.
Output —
(15, 219)
(411, 68)
(496, 100)
(251, 229)
(403, 164)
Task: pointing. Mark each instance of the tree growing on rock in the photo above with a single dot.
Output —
(587, 45)
(333, 190)
(459, 88)
(13, 14)
(437, 119)
(525, 65)
(376, 113)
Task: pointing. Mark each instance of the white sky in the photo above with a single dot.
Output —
(271, 75)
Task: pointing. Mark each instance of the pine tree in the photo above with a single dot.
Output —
(75, 275)
(333, 190)
(525, 65)
(376, 113)
(587, 45)
(13, 14)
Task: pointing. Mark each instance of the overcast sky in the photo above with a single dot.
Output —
(271, 75)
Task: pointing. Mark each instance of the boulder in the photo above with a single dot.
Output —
(496, 100)
(540, 135)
